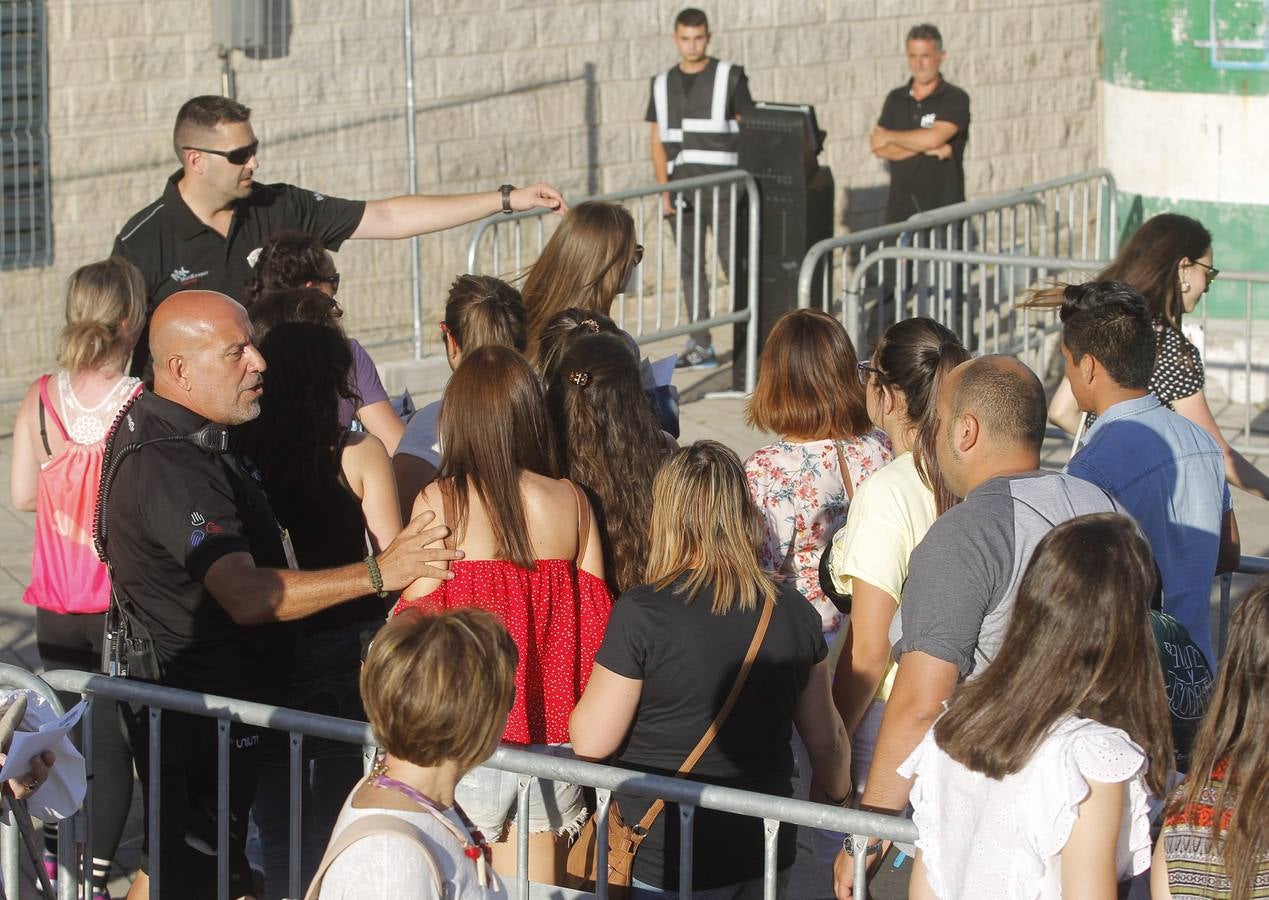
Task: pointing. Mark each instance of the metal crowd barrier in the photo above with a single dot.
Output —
(1227, 282)
(656, 308)
(75, 846)
(1076, 216)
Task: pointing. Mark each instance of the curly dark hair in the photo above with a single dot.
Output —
(289, 259)
(563, 330)
(295, 438)
(611, 445)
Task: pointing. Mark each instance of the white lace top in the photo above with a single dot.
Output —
(980, 837)
(87, 425)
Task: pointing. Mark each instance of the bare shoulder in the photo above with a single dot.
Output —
(547, 496)
(364, 445)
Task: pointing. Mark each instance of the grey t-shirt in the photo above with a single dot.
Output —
(964, 575)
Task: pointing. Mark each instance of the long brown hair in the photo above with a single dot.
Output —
(610, 443)
(585, 263)
(493, 426)
(807, 385)
(913, 357)
(1234, 731)
(562, 331)
(705, 527)
(1078, 643)
(1148, 262)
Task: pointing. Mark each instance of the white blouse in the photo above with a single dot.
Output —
(982, 837)
(387, 865)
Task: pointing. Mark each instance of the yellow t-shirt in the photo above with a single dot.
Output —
(888, 517)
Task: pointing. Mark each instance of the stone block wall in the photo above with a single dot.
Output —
(511, 90)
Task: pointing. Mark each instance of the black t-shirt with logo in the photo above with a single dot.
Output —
(687, 659)
(922, 183)
(176, 251)
(174, 510)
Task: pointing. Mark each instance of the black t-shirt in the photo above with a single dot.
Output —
(174, 510)
(688, 658)
(922, 183)
(175, 251)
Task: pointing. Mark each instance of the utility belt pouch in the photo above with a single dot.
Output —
(127, 651)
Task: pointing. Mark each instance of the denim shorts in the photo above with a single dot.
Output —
(489, 797)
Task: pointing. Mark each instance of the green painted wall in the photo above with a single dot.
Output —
(1149, 44)
(1240, 241)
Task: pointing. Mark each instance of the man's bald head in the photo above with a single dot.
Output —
(203, 356)
(1004, 396)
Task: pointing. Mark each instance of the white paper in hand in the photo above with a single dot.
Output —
(28, 744)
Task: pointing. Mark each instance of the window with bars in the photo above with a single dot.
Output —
(26, 227)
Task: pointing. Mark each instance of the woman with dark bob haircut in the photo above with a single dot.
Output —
(809, 394)
(532, 557)
(1169, 261)
(436, 690)
(1035, 782)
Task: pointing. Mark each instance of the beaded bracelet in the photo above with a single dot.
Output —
(376, 578)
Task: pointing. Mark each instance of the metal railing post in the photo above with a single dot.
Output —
(412, 156)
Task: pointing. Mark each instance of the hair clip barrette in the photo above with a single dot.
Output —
(590, 325)
(581, 379)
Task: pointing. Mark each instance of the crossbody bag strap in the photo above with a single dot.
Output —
(715, 726)
(583, 523)
(844, 471)
(368, 826)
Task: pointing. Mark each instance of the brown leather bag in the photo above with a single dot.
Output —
(624, 840)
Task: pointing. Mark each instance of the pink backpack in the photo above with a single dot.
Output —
(66, 575)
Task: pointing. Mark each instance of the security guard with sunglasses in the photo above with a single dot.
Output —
(206, 230)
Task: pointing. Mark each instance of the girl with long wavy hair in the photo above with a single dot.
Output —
(532, 556)
(671, 655)
(1215, 841)
(609, 444)
(333, 492)
(1169, 261)
(1035, 781)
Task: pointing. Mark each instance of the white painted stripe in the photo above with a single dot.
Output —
(137, 227)
(1204, 147)
(711, 126)
(708, 157)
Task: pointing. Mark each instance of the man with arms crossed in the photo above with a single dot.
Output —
(964, 575)
(922, 132)
(694, 111)
(199, 569)
(207, 229)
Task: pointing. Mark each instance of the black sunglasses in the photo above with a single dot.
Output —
(236, 157)
(1212, 271)
(865, 369)
(332, 280)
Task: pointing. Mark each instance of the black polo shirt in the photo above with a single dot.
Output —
(175, 251)
(173, 511)
(923, 183)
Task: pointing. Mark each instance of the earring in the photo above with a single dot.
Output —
(1185, 286)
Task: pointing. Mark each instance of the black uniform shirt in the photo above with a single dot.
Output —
(175, 251)
(174, 510)
(922, 183)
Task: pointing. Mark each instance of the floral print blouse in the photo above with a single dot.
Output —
(803, 499)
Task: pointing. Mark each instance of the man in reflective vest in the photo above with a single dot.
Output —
(694, 111)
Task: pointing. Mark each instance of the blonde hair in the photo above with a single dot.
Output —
(439, 687)
(105, 313)
(585, 264)
(705, 527)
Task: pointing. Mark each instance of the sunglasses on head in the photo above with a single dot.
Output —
(237, 157)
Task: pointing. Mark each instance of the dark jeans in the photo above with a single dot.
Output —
(323, 679)
(188, 799)
(69, 641)
(696, 272)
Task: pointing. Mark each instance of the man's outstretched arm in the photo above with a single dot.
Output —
(412, 214)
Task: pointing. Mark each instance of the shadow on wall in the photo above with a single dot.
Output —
(864, 207)
(282, 139)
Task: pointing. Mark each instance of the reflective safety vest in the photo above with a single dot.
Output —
(693, 126)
